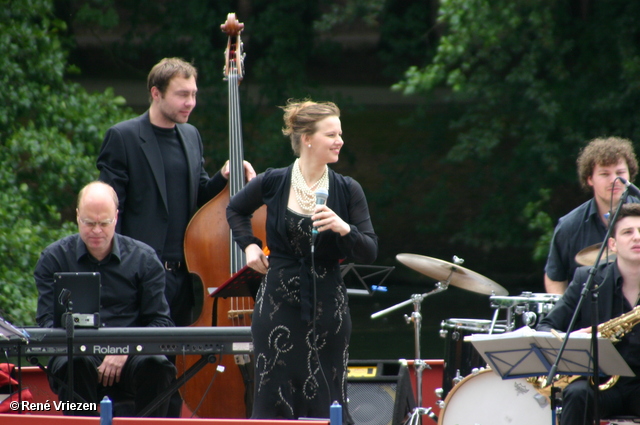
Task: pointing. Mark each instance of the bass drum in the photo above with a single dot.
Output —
(484, 398)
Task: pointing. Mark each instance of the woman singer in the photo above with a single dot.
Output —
(301, 323)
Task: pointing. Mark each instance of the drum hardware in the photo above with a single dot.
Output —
(416, 318)
(419, 364)
(460, 357)
(456, 379)
(445, 273)
(529, 318)
(531, 307)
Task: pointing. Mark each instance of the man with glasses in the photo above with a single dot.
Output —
(132, 295)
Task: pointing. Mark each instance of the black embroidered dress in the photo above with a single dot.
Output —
(301, 363)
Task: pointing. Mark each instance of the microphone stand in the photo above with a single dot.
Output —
(321, 199)
(67, 318)
(594, 316)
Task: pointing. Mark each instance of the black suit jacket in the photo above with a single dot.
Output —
(131, 162)
(610, 305)
(610, 301)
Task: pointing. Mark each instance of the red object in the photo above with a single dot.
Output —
(9, 386)
(243, 283)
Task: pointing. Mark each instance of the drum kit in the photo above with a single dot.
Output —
(466, 382)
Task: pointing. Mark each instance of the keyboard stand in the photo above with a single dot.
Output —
(180, 381)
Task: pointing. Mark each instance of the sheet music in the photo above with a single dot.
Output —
(527, 352)
(524, 331)
(8, 332)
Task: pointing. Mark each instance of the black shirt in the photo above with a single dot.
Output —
(611, 304)
(176, 177)
(133, 280)
(579, 229)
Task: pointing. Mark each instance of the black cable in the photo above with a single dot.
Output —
(314, 312)
(70, 329)
(204, 396)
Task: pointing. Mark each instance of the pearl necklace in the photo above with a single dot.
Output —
(305, 194)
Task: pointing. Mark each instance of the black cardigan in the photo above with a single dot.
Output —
(271, 188)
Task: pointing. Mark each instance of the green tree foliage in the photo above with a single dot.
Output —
(533, 81)
(278, 41)
(50, 133)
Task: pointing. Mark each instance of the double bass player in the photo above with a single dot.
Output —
(155, 164)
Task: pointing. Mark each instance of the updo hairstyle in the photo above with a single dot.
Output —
(300, 117)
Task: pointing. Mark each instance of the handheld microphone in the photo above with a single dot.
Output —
(633, 189)
(321, 199)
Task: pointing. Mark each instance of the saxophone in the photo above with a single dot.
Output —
(613, 330)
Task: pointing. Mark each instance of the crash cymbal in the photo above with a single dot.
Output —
(589, 255)
(461, 277)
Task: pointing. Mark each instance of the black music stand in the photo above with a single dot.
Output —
(363, 272)
(527, 352)
(243, 283)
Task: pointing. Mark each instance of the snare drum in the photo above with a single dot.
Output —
(460, 357)
(484, 398)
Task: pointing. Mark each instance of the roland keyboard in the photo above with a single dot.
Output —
(147, 340)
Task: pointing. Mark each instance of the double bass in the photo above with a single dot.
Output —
(223, 389)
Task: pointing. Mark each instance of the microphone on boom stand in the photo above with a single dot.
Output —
(633, 189)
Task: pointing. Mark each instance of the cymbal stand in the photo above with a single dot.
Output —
(419, 365)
